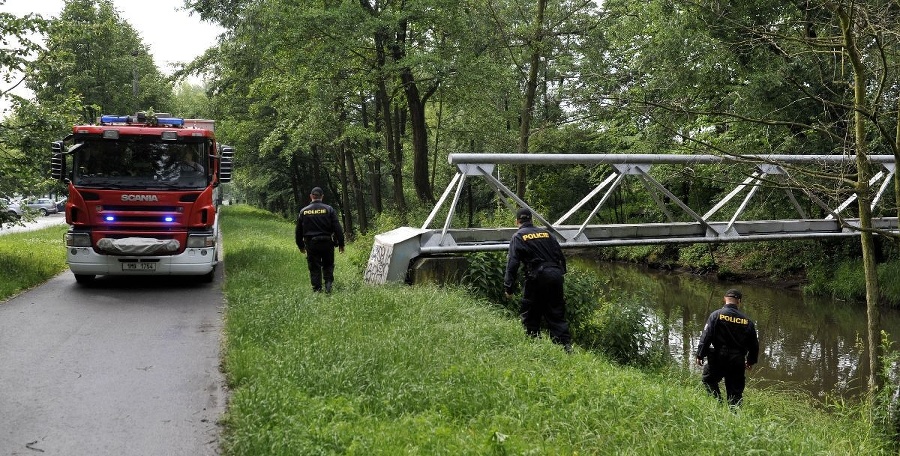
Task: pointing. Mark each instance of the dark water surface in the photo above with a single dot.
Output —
(807, 343)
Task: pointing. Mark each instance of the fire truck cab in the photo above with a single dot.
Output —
(144, 193)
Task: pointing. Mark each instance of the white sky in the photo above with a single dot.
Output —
(158, 22)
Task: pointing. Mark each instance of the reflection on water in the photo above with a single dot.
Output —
(807, 343)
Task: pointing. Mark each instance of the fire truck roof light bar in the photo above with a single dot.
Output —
(168, 121)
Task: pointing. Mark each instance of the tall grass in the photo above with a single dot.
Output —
(394, 369)
(30, 258)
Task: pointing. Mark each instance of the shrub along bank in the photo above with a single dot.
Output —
(827, 267)
(425, 370)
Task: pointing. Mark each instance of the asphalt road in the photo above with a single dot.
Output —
(127, 366)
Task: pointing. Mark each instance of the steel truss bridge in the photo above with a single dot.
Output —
(393, 251)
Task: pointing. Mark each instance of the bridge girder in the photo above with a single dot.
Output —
(710, 227)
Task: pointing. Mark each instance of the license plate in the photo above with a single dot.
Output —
(138, 266)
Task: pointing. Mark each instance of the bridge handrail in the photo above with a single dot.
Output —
(576, 159)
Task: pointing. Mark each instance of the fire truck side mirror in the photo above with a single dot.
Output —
(57, 161)
(226, 164)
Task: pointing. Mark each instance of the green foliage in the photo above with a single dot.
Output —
(889, 282)
(617, 327)
(846, 280)
(425, 370)
(886, 406)
(94, 54)
(191, 101)
(25, 139)
(30, 258)
(484, 278)
(698, 257)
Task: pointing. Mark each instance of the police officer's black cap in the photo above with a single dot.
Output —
(734, 293)
(317, 191)
(523, 215)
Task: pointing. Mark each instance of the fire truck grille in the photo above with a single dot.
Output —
(140, 208)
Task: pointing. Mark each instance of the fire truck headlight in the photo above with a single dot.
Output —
(78, 240)
(201, 241)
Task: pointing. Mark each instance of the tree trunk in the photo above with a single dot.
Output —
(530, 90)
(397, 160)
(416, 105)
(359, 198)
(863, 193)
(346, 213)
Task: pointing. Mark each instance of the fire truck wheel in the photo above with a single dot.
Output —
(84, 278)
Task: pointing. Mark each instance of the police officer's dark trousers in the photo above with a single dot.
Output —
(320, 259)
(542, 298)
(730, 365)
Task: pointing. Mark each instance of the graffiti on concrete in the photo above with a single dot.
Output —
(379, 261)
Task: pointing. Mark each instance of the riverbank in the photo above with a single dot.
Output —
(827, 267)
(427, 370)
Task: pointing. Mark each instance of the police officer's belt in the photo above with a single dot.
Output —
(323, 237)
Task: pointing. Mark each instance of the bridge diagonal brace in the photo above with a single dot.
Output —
(890, 167)
(795, 203)
(441, 200)
(587, 198)
(499, 185)
(731, 195)
(783, 176)
(615, 185)
(740, 210)
(641, 171)
(853, 197)
(676, 200)
(452, 210)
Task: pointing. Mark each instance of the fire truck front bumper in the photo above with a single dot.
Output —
(193, 261)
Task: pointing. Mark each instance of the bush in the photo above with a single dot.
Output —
(889, 282)
(887, 402)
(484, 278)
(846, 280)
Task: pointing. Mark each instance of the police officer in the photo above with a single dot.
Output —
(317, 232)
(730, 345)
(542, 295)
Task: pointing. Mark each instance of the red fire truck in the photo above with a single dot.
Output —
(143, 195)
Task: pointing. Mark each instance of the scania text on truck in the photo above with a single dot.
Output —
(144, 192)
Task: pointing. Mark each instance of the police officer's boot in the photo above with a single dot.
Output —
(327, 287)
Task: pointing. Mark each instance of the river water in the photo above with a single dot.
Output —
(808, 344)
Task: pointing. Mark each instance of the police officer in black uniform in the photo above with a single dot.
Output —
(730, 345)
(542, 295)
(318, 231)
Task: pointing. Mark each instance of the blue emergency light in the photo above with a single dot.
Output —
(169, 218)
(173, 121)
(115, 119)
(142, 118)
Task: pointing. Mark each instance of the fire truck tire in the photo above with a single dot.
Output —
(84, 278)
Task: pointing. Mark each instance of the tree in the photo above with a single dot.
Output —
(25, 132)
(91, 52)
(768, 77)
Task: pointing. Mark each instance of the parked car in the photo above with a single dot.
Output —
(43, 205)
(11, 207)
(61, 205)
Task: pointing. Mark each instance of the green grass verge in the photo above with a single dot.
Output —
(389, 370)
(30, 258)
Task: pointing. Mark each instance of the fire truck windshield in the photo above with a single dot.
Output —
(141, 162)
